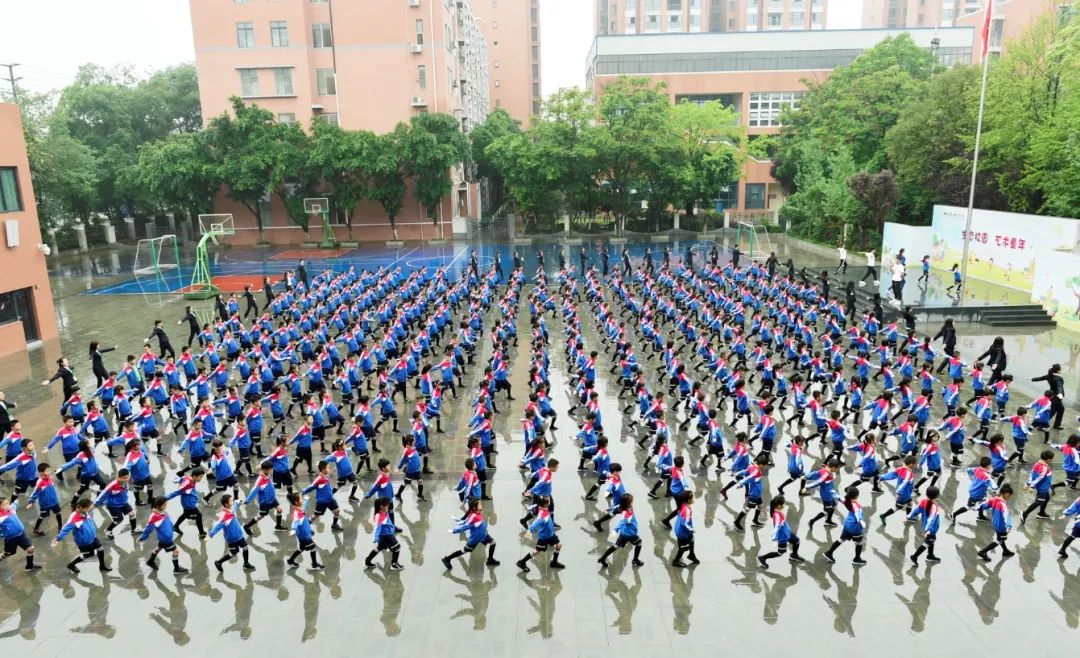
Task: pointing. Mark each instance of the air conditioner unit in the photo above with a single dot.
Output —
(416, 48)
(418, 101)
(316, 108)
(414, 3)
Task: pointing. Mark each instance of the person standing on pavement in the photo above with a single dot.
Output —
(163, 340)
(995, 358)
(96, 364)
(605, 256)
(898, 272)
(871, 269)
(1056, 384)
(301, 273)
(65, 374)
(6, 419)
(193, 324)
(842, 267)
(947, 334)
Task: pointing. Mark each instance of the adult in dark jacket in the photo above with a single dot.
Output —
(6, 419)
(995, 358)
(947, 334)
(163, 340)
(65, 374)
(1056, 384)
(193, 324)
(268, 290)
(301, 273)
(96, 364)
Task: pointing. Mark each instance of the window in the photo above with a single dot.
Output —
(536, 52)
(775, 20)
(728, 198)
(330, 118)
(249, 83)
(674, 5)
(815, 18)
(498, 103)
(765, 108)
(321, 37)
(449, 39)
(420, 31)
(283, 82)
(319, 2)
(496, 83)
(496, 63)
(495, 25)
(326, 82)
(279, 34)
(535, 34)
(286, 117)
(421, 76)
(245, 35)
(797, 18)
(652, 5)
(755, 196)
(535, 71)
(10, 201)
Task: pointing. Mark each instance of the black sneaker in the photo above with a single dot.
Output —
(933, 558)
(637, 563)
(829, 558)
(764, 564)
(446, 563)
(179, 570)
(318, 567)
(492, 562)
(249, 567)
(599, 528)
(858, 561)
(33, 567)
(555, 564)
(521, 564)
(395, 566)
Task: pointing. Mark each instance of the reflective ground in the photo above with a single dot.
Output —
(1029, 603)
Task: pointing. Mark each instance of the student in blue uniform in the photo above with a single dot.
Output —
(626, 532)
(265, 494)
(1001, 520)
(1073, 529)
(684, 532)
(160, 523)
(80, 525)
(187, 491)
(929, 514)
(385, 534)
(782, 534)
(475, 528)
(232, 532)
(301, 529)
(853, 530)
(14, 534)
(46, 498)
(543, 526)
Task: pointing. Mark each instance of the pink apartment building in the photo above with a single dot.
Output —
(364, 65)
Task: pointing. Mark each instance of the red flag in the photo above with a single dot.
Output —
(986, 26)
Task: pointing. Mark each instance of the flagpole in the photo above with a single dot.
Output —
(978, 139)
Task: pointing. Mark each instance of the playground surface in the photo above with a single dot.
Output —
(727, 604)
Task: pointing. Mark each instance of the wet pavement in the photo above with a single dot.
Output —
(1029, 603)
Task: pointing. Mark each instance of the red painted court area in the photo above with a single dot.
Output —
(312, 254)
(233, 283)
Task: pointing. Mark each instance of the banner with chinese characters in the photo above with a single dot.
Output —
(1004, 246)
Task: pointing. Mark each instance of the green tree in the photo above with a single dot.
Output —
(497, 124)
(434, 145)
(255, 156)
(180, 172)
(709, 140)
(632, 124)
(65, 176)
(385, 157)
(341, 158)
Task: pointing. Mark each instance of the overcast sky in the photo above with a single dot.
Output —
(51, 38)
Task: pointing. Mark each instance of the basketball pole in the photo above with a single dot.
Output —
(329, 239)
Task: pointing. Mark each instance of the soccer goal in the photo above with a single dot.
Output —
(753, 240)
(156, 267)
(212, 226)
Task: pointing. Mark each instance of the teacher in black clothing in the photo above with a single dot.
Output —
(65, 374)
(193, 324)
(995, 358)
(96, 363)
(163, 340)
(301, 273)
(268, 290)
(1056, 384)
(947, 334)
(6, 419)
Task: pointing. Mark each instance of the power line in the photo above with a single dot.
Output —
(12, 80)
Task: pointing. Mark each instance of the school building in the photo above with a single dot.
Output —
(368, 65)
(758, 74)
(27, 317)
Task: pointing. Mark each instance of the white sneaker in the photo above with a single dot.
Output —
(862, 284)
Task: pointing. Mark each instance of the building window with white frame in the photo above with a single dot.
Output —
(326, 82)
(321, 35)
(330, 118)
(245, 34)
(286, 117)
(419, 31)
(764, 108)
(421, 76)
(774, 21)
(279, 34)
(283, 81)
(249, 83)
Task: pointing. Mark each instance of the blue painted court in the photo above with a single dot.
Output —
(239, 267)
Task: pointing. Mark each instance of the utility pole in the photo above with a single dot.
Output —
(12, 80)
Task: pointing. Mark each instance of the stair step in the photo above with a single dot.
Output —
(1039, 322)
